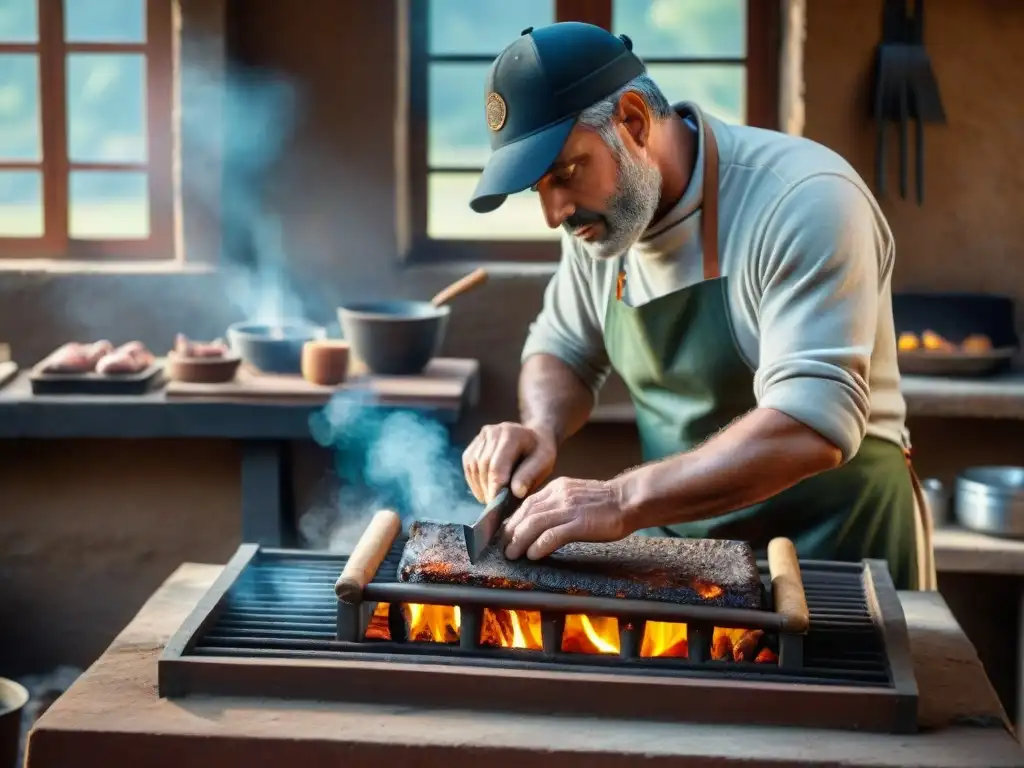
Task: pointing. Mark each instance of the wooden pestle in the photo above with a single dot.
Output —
(788, 585)
(474, 279)
(370, 551)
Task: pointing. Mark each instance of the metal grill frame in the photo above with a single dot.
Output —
(462, 676)
(632, 615)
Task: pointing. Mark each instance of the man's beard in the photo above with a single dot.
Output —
(630, 210)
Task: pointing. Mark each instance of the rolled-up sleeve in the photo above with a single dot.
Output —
(819, 267)
(568, 326)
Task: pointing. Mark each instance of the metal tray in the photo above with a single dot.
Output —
(95, 383)
(928, 363)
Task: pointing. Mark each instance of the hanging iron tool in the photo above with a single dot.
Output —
(905, 89)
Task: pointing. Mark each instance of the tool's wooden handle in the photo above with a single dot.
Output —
(788, 585)
(371, 549)
(469, 282)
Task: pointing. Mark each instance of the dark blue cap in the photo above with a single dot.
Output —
(536, 89)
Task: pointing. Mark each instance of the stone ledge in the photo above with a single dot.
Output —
(961, 551)
(1000, 397)
(112, 717)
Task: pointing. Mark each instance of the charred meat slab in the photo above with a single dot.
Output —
(686, 571)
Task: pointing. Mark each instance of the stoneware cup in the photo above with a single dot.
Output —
(325, 362)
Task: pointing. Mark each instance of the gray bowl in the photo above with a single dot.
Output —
(13, 698)
(273, 347)
(394, 338)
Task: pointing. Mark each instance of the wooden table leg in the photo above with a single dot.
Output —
(266, 493)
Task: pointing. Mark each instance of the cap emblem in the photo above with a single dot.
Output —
(496, 112)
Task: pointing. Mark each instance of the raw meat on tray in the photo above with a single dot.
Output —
(75, 357)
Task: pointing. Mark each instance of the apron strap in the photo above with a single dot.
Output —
(924, 531)
(709, 205)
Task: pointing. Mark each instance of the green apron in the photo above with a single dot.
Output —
(679, 358)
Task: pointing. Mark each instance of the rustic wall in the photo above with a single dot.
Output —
(969, 233)
(87, 531)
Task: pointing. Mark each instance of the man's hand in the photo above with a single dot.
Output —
(566, 511)
(489, 459)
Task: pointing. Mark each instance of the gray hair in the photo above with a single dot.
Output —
(599, 116)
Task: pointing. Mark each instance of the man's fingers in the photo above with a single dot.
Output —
(553, 539)
(526, 533)
(531, 505)
(530, 473)
(469, 465)
(506, 450)
(472, 461)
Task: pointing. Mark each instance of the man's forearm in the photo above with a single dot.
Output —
(552, 397)
(755, 458)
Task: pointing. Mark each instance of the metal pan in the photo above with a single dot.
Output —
(955, 316)
(926, 363)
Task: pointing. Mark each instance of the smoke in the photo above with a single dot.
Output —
(260, 110)
(395, 459)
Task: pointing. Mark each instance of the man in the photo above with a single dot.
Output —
(738, 280)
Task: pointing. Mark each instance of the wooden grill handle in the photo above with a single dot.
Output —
(788, 586)
(469, 282)
(371, 549)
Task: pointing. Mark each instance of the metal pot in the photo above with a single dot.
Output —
(13, 698)
(399, 338)
(991, 500)
(273, 347)
(938, 501)
(394, 338)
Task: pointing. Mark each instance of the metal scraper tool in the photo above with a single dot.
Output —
(479, 534)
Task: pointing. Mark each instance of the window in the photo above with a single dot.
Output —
(85, 128)
(721, 54)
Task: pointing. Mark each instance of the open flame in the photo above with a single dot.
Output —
(583, 634)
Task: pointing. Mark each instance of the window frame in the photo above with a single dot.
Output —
(52, 51)
(762, 86)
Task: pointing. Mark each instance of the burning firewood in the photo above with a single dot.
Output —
(511, 629)
(721, 647)
(744, 648)
(379, 629)
(687, 571)
(766, 656)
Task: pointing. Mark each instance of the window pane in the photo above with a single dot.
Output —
(105, 21)
(18, 21)
(19, 107)
(106, 107)
(108, 205)
(449, 216)
(21, 204)
(457, 134)
(683, 28)
(482, 27)
(720, 89)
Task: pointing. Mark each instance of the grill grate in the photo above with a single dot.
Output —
(272, 626)
(283, 606)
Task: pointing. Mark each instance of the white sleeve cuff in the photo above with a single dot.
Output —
(831, 408)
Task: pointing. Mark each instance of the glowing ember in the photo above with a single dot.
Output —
(708, 591)
(583, 634)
